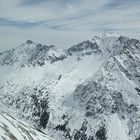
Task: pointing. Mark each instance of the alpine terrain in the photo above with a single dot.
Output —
(90, 91)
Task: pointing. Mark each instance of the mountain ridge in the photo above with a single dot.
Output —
(35, 48)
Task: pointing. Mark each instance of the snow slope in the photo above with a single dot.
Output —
(116, 130)
(12, 129)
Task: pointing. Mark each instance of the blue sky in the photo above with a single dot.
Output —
(65, 22)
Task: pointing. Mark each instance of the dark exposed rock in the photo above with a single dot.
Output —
(89, 114)
(39, 46)
(138, 138)
(44, 119)
(29, 41)
(91, 138)
(138, 90)
(61, 127)
(60, 76)
(85, 45)
(101, 134)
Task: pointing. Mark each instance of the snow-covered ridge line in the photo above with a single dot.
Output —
(31, 53)
(34, 54)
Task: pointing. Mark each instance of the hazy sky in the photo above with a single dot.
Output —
(65, 22)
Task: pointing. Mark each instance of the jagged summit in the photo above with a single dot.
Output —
(31, 53)
(29, 42)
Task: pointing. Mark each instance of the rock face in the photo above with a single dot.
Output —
(90, 91)
(86, 47)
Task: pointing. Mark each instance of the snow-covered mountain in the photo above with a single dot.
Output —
(90, 91)
(31, 53)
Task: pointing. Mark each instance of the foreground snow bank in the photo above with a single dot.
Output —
(12, 129)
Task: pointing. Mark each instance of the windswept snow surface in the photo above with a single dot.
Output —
(12, 129)
(116, 129)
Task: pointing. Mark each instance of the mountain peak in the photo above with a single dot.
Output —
(31, 53)
(86, 47)
(29, 42)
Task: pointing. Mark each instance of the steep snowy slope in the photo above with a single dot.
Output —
(115, 91)
(86, 92)
(12, 129)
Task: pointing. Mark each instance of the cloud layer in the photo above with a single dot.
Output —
(65, 22)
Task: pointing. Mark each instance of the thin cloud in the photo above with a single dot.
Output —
(121, 3)
(19, 24)
(33, 2)
(56, 2)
